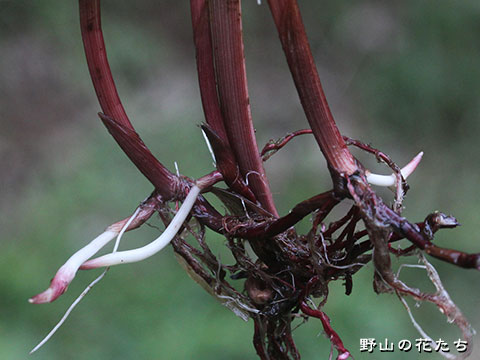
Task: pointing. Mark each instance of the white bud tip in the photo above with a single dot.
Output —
(52, 293)
(408, 169)
(390, 180)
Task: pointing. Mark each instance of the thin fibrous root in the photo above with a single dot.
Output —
(446, 306)
(69, 310)
(210, 150)
(135, 255)
(422, 332)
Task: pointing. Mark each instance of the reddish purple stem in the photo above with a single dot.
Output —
(205, 67)
(227, 38)
(94, 45)
(293, 37)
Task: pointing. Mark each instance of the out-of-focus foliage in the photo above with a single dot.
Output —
(403, 75)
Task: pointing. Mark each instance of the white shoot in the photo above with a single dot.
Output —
(88, 288)
(66, 273)
(129, 256)
(390, 180)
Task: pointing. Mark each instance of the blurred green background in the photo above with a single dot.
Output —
(403, 75)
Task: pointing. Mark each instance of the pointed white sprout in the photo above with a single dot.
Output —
(390, 180)
(129, 256)
(66, 273)
(87, 289)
